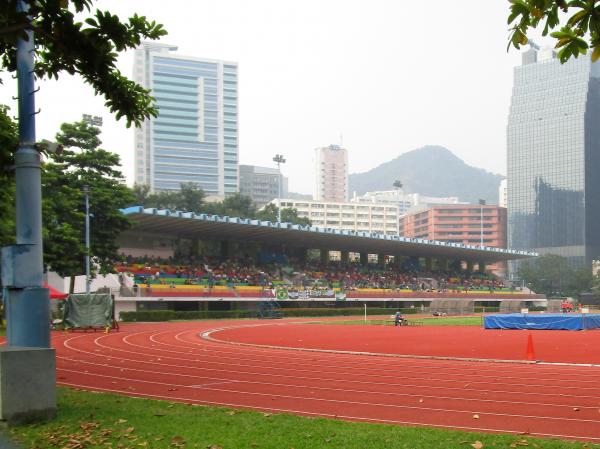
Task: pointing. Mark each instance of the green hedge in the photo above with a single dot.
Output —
(315, 311)
(170, 315)
(487, 309)
(149, 315)
(537, 308)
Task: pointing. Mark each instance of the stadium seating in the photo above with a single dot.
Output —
(242, 278)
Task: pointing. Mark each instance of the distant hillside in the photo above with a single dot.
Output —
(433, 171)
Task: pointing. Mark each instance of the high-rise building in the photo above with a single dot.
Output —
(195, 136)
(261, 184)
(503, 193)
(331, 172)
(553, 147)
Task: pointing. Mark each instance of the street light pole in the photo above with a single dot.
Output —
(27, 302)
(86, 191)
(279, 159)
(481, 204)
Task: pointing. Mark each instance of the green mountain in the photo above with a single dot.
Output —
(432, 171)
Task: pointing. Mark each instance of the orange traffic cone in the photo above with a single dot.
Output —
(530, 352)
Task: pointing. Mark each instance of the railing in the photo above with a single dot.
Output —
(192, 291)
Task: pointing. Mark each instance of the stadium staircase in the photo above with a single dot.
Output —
(269, 310)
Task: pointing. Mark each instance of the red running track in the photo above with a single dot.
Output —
(172, 361)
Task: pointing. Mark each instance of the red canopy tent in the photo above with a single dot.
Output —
(55, 294)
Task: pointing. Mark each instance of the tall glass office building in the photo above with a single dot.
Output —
(553, 147)
(195, 136)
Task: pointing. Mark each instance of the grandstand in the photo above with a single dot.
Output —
(185, 261)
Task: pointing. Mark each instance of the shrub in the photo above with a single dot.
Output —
(169, 315)
(148, 315)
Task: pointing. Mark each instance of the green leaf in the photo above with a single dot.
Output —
(577, 17)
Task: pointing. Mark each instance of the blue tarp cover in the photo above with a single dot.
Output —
(547, 321)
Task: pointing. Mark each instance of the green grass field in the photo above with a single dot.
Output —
(428, 321)
(95, 420)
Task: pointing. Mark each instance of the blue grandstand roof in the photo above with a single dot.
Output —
(191, 225)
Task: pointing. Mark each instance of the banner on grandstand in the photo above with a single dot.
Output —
(313, 293)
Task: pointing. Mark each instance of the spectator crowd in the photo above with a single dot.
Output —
(244, 271)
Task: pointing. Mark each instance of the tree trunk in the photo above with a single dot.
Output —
(72, 285)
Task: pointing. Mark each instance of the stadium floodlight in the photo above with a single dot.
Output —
(279, 159)
(92, 120)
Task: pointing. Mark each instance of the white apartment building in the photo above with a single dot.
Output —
(503, 193)
(331, 173)
(406, 202)
(375, 218)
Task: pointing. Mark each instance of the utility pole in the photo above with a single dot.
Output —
(28, 381)
(279, 159)
(27, 302)
(92, 121)
(86, 192)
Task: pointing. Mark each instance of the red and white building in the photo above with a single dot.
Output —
(331, 170)
(471, 224)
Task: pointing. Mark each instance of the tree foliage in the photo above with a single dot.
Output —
(8, 144)
(579, 30)
(191, 198)
(551, 275)
(63, 176)
(288, 215)
(87, 47)
(82, 163)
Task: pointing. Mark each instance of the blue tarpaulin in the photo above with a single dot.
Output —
(544, 321)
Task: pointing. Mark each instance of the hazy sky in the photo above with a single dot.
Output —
(387, 75)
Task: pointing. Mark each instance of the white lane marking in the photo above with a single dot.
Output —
(588, 377)
(207, 335)
(336, 373)
(213, 383)
(331, 379)
(330, 415)
(348, 390)
(383, 367)
(261, 349)
(341, 401)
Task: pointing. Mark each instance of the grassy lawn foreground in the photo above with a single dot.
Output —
(89, 420)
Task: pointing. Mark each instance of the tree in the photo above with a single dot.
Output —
(288, 215)
(237, 205)
(580, 31)
(192, 198)
(140, 194)
(551, 274)
(63, 179)
(8, 144)
(88, 47)
(189, 197)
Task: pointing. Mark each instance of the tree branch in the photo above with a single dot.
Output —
(15, 27)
